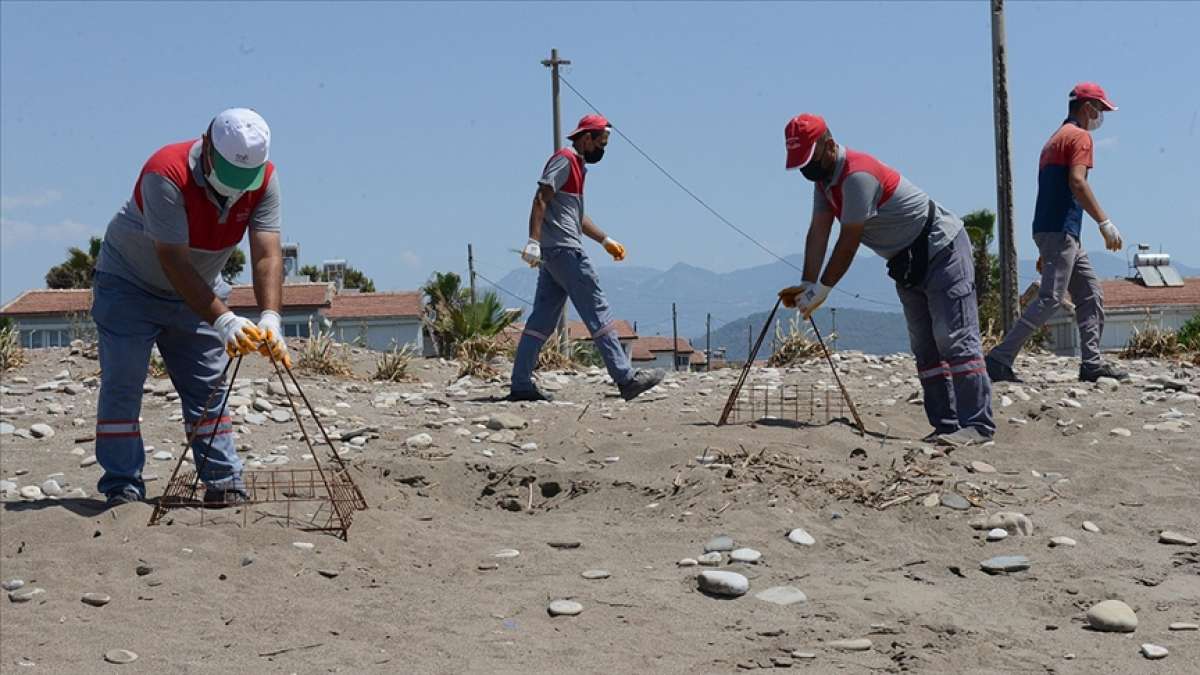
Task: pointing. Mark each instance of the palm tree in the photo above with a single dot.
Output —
(77, 270)
(981, 228)
(443, 294)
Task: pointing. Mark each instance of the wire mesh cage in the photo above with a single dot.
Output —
(801, 403)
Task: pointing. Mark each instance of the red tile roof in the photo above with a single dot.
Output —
(1123, 293)
(576, 329)
(295, 296)
(45, 301)
(375, 305)
(645, 346)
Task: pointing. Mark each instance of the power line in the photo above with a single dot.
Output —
(705, 204)
(501, 288)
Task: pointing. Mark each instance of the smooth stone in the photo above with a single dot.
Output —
(25, 594)
(40, 430)
(504, 420)
(1005, 563)
(595, 574)
(237, 401)
(506, 553)
(1091, 527)
(1179, 625)
(359, 441)
(281, 416)
(12, 584)
(1121, 431)
(304, 545)
(983, 467)
(31, 492)
(1010, 521)
(745, 555)
(120, 656)
(329, 574)
(263, 405)
(256, 419)
(721, 542)
(687, 562)
(419, 441)
(529, 447)
(997, 534)
(488, 567)
(801, 537)
(931, 500)
(6, 429)
(163, 455)
(1166, 537)
(955, 501)
(728, 584)
(506, 436)
(807, 656)
(96, 599)
(87, 461)
(782, 595)
(565, 608)
(1153, 652)
(1112, 616)
(1061, 541)
(860, 645)
(51, 488)
(711, 559)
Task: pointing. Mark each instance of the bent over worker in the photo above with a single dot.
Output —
(928, 254)
(158, 282)
(557, 222)
(1063, 195)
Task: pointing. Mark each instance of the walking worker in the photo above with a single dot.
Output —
(928, 254)
(557, 222)
(1063, 195)
(158, 282)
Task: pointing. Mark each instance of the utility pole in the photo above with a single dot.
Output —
(708, 344)
(553, 63)
(1004, 186)
(749, 340)
(674, 338)
(471, 269)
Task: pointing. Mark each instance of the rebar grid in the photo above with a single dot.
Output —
(803, 403)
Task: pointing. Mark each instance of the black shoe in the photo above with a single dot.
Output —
(1092, 373)
(535, 394)
(126, 496)
(219, 499)
(641, 382)
(998, 372)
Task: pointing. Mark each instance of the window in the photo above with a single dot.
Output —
(295, 330)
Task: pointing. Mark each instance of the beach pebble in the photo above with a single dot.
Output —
(1061, 541)
(710, 559)
(529, 447)
(12, 584)
(1166, 537)
(955, 501)
(31, 492)
(807, 656)
(419, 441)
(1091, 527)
(255, 419)
(745, 555)
(87, 461)
(1179, 625)
(595, 574)
(1154, 651)
(505, 420)
(120, 656)
(565, 608)
(982, 467)
(721, 542)
(6, 429)
(51, 488)
(162, 456)
(801, 537)
(281, 416)
(931, 500)
(40, 430)
(728, 584)
(1112, 616)
(1121, 431)
(304, 545)
(782, 595)
(688, 562)
(860, 645)
(96, 599)
(506, 553)
(997, 534)
(262, 405)
(1005, 563)
(25, 594)
(1010, 521)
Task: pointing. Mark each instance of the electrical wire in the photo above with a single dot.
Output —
(503, 289)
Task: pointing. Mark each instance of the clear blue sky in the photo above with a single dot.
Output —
(403, 131)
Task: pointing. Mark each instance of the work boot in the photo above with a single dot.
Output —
(126, 496)
(535, 394)
(998, 372)
(964, 437)
(641, 382)
(1092, 373)
(219, 499)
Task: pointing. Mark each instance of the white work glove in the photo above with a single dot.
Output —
(806, 297)
(272, 335)
(532, 253)
(239, 335)
(1112, 236)
(614, 248)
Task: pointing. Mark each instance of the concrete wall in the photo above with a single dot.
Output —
(54, 331)
(663, 361)
(380, 334)
(1118, 327)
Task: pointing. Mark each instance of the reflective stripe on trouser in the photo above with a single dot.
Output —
(943, 329)
(567, 272)
(129, 321)
(1065, 269)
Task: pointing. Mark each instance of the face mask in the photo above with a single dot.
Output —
(1095, 123)
(817, 172)
(593, 156)
(219, 187)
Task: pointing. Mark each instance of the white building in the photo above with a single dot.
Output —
(378, 320)
(1129, 305)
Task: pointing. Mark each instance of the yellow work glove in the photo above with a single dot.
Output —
(240, 336)
(272, 334)
(614, 248)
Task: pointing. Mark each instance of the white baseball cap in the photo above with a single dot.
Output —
(242, 140)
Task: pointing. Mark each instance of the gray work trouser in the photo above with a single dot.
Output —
(1065, 268)
(943, 329)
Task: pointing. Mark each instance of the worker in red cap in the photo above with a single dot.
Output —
(929, 257)
(557, 223)
(1063, 196)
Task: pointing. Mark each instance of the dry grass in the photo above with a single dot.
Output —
(475, 356)
(158, 368)
(795, 346)
(320, 354)
(1152, 342)
(12, 355)
(991, 335)
(392, 365)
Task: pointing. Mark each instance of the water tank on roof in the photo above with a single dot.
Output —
(1154, 269)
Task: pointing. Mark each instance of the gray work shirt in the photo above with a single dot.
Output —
(128, 249)
(562, 225)
(890, 227)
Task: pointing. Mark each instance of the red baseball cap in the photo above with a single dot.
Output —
(801, 134)
(1085, 91)
(590, 123)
